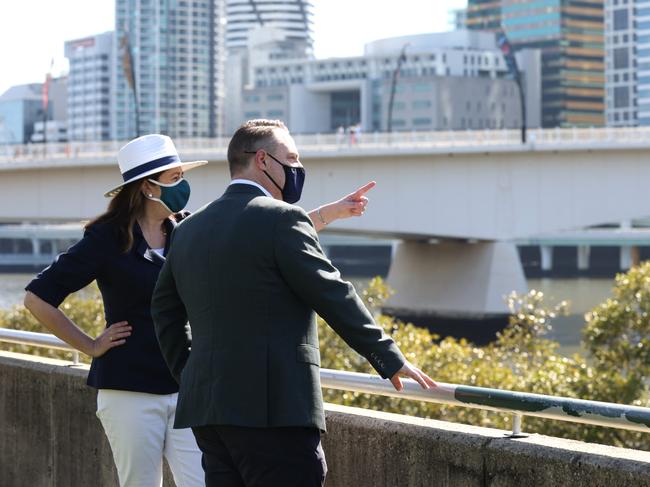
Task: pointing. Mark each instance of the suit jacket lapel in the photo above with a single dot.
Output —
(141, 247)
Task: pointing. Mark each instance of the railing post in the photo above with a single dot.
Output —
(75, 357)
(516, 427)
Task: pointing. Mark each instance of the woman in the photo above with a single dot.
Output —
(123, 249)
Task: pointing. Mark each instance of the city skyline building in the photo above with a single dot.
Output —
(448, 81)
(54, 127)
(175, 52)
(622, 44)
(278, 29)
(20, 107)
(639, 70)
(570, 34)
(292, 17)
(22, 115)
(89, 86)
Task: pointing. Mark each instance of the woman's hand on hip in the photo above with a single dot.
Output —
(113, 336)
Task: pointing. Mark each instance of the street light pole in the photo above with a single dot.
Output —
(522, 102)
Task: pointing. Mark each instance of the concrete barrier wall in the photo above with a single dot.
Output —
(49, 436)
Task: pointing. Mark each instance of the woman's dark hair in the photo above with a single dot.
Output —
(123, 211)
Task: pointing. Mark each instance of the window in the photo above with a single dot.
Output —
(420, 87)
(621, 58)
(419, 104)
(621, 96)
(418, 122)
(275, 97)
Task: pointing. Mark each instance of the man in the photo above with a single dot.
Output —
(247, 272)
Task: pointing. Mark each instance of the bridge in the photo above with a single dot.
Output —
(457, 201)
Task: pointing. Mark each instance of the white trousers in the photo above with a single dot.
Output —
(140, 431)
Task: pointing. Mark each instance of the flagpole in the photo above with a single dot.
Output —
(45, 95)
(129, 74)
(45, 125)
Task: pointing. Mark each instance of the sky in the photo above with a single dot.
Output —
(32, 32)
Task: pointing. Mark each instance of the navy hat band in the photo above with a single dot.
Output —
(149, 166)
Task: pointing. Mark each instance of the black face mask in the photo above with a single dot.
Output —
(294, 180)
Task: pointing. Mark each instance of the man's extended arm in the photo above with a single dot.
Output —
(312, 277)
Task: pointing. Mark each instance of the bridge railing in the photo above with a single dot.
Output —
(335, 143)
(516, 403)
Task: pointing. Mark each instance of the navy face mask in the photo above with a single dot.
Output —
(294, 180)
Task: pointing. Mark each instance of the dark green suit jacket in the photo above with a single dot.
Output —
(247, 272)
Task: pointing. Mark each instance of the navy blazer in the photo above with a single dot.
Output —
(126, 282)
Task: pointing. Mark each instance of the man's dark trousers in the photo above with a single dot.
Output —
(235, 456)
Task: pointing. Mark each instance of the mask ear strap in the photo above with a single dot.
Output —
(273, 180)
(170, 185)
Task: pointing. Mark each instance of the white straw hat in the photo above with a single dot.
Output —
(147, 155)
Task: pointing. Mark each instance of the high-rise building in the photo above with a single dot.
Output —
(294, 17)
(570, 34)
(89, 87)
(281, 28)
(484, 14)
(175, 53)
(640, 61)
(620, 67)
(627, 63)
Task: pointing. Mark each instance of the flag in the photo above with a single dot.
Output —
(46, 88)
(127, 62)
(508, 54)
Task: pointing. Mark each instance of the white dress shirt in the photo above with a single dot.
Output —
(251, 183)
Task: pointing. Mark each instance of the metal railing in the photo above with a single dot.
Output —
(44, 340)
(518, 404)
(333, 143)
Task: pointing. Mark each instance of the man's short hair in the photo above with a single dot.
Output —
(251, 137)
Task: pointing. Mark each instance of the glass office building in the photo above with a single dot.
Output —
(570, 34)
(177, 59)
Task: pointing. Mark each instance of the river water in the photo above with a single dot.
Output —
(583, 294)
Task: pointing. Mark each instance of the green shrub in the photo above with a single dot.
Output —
(521, 359)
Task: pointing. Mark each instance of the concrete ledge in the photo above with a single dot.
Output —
(381, 449)
(49, 436)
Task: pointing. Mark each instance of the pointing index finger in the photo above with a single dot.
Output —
(363, 189)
